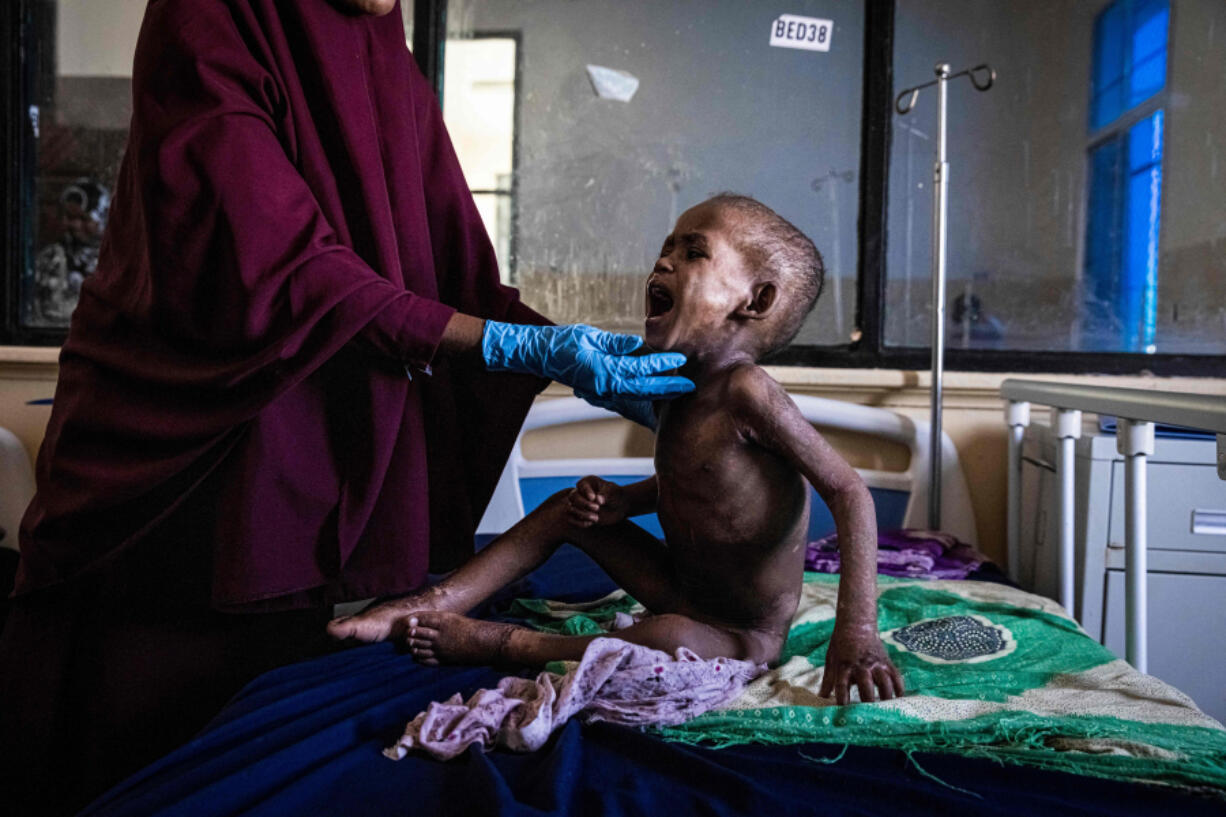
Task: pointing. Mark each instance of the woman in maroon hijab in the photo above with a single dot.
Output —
(276, 393)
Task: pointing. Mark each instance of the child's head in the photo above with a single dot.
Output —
(734, 276)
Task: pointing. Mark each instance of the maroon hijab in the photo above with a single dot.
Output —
(255, 353)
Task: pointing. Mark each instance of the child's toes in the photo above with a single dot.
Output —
(342, 628)
(403, 628)
(428, 621)
(426, 635)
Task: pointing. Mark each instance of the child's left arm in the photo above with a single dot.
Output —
(856, 656)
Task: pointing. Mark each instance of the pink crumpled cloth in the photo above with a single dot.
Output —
(615, 681)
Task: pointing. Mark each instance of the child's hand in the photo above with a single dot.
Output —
(857, 656)
(594, 501)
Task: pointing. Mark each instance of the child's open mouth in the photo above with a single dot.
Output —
(659, 301)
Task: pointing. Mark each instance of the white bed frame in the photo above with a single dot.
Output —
(16, 485)
(507, 506)
(1136, 410)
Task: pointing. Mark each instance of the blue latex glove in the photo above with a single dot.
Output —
(640, 411)
(589, 360)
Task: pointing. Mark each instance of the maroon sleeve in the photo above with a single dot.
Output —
(459, 244)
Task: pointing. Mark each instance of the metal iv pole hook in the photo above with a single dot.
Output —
(981, 76)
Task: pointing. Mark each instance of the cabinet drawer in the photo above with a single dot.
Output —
(1175, 492)
(1187, 633)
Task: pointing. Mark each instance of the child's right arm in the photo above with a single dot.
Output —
(855, 656)
(595, 501)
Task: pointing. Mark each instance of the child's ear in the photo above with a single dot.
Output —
(761, 302)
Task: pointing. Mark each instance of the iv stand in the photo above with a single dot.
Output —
(940, 208)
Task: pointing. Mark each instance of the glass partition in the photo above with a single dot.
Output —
(628, 113)
(77, 115)
(1087, 201)
(1086, 192)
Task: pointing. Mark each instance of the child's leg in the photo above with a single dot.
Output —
(516, 553)
(632, 557)
(450, 638)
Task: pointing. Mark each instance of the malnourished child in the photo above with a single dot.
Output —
(733, 283)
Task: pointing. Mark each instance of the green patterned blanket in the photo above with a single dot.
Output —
(991, 671)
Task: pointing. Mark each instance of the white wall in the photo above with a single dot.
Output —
(97, 37)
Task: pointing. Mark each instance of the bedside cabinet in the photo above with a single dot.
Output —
(1187, 552)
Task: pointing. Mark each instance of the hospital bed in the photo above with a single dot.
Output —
(16, 485)
(901, 496)
(307, 739)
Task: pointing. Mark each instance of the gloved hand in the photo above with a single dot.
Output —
(591, 361)
(639, 411)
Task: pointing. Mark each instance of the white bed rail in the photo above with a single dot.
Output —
(506, 507)
(16, 485)
(1137, 410)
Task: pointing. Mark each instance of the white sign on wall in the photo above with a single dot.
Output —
(808, 33)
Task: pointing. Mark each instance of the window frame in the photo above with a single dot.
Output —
(10, 158)
(867, 351)
(17, 51)
(511, 275)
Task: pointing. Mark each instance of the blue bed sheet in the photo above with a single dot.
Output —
(307, 739)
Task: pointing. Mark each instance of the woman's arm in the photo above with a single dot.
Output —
(461, 335)
(243, 265)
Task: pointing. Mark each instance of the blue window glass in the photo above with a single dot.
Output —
(1107, 89)
(1123, 219)
(1122, 226)
(1130, 39)
(1144, 206)
(1147, 72)
(1104, 229)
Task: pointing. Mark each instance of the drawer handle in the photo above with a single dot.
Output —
(1209, 523)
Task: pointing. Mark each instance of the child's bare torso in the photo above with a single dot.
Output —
(735, 515)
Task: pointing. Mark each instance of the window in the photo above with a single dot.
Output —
(68, 124)
(1086, 213)
(1121, 266)
(631, 112)
(1087, 192)
(1125, 175)
(1130, 40)
(481, 74)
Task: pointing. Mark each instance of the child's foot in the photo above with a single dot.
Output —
(390, 619)
(450, 638)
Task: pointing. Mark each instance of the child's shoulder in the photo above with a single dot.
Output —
(749, 385)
